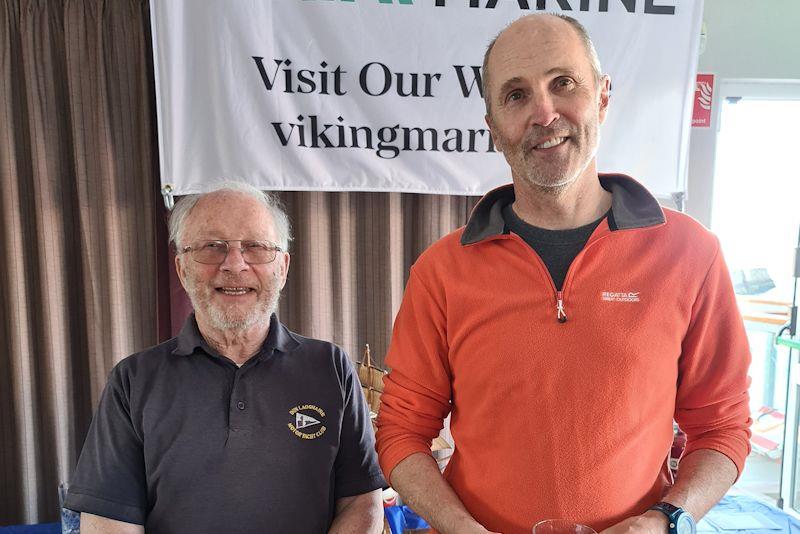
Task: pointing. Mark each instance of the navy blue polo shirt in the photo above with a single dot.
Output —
(184, 440)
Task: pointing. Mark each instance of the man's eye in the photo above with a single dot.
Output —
(565, 82)
(255, 245)
(514, 96)
(214, 245)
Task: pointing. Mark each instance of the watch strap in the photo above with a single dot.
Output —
(672, 512)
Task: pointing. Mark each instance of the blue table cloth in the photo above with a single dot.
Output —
(42, 528)
(741, 514)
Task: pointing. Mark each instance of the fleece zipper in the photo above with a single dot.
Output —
(561, 312)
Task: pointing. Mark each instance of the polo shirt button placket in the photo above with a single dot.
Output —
(237, 422)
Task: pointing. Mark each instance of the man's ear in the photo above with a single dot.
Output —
(495, 140)
(179, 268)
(605, 96)
(285, 268)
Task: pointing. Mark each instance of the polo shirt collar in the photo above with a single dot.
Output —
(190, 339)
(632, 206)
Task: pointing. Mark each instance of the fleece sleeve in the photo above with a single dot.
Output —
(416, 396)
(712, 404)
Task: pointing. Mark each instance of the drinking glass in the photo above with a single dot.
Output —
(561, 526)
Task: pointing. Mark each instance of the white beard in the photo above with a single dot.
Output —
(231, 318)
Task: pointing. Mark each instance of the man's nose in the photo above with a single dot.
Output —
(234, 260)
(542, 110)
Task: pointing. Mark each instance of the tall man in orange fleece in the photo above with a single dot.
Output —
(564, 327)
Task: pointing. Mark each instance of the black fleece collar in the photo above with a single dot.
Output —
(632, 206)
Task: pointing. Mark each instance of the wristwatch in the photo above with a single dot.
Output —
(680, 521)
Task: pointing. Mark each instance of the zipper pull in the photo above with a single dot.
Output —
(560, 313)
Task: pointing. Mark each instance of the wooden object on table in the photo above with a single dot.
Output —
(371, 378)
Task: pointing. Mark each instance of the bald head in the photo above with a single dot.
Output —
(537, 28)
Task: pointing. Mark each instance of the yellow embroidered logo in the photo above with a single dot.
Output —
(306, 426)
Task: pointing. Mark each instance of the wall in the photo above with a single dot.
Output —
(745, 39)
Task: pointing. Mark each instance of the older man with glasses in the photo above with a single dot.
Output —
(237, 424)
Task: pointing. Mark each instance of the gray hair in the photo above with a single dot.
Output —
(184, 205)
(591, 53)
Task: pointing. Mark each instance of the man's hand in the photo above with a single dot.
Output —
(480, 530)
(704, 477)
(650, 522)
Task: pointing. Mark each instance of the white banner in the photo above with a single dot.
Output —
(382, 95)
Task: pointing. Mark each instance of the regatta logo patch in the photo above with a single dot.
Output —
(307, 421)
(611, 296)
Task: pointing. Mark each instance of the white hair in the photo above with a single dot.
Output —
(185, 204)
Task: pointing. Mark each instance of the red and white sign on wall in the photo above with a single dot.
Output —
(703, 96)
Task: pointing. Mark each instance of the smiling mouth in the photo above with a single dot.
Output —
(234, 291)
(550, 143)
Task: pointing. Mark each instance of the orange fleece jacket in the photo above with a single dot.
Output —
(567, 419)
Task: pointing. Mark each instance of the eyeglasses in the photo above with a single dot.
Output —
(214, 252)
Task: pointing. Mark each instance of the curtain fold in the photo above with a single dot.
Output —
(351, 258)
(77, 212)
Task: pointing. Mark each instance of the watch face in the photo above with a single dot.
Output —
(685, 524)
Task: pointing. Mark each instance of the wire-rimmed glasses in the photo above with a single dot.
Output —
(214, 251)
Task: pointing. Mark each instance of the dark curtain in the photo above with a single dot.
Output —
(77, 229)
